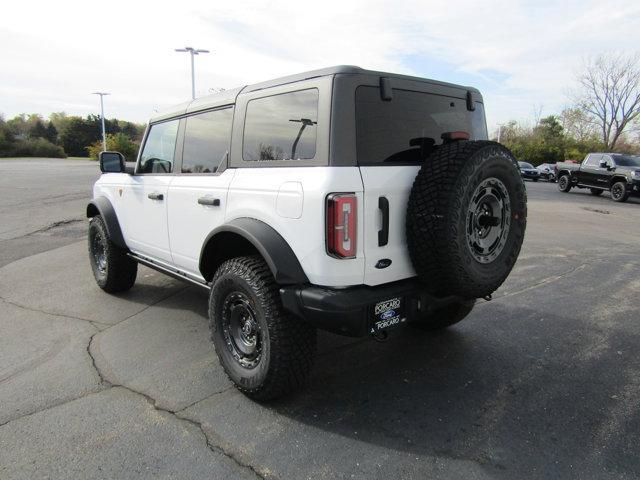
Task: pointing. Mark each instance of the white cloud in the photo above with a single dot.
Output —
(520, 53)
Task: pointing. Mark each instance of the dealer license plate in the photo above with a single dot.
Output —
(387, 314)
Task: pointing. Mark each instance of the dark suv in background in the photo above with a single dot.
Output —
(528, 171)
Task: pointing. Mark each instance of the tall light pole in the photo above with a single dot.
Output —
(104, 137)
(500, 125)
(193, 52)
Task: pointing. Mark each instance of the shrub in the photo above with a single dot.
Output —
(118, 142)
(37, 147)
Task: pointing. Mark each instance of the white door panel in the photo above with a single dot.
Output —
(145, 219)
(263, 193)
(189, 221)
(394, 183)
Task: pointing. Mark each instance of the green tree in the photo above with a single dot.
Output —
(78, 134)
(38, 129)
(118, 142)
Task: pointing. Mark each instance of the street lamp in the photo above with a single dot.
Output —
(104, 137)
(500, 125)
(193, 52)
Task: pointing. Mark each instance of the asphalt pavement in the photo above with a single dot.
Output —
(541, 382)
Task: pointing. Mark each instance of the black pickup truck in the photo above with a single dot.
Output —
(615, 172)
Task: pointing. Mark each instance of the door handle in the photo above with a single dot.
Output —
(383, 233)
(156, 196)
(206, 200)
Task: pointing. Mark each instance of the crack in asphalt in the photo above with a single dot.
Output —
(51, 226)
(544, 281)
(106, 384)
(175, 413)
(94, 323)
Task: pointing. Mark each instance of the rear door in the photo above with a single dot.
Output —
(590, 170)
(393, 138)
(198, 195)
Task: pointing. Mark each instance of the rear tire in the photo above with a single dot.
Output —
(444, 317)
(564, 183)
(112, 268)
(265, 351)
(596, 192)
(466, 218)
(619, 192)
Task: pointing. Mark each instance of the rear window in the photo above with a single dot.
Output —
(281, 127)
(406, 129)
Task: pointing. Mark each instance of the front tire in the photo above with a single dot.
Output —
(619, 192)
(564, 183)
(112, 268)
(264, 350)
(444, 317)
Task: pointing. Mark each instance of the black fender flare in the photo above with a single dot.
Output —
(618, 178)
(275, 250)
(102, 206)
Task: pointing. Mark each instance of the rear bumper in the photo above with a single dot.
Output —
(350, 311)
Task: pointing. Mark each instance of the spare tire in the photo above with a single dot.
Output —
(466, 218)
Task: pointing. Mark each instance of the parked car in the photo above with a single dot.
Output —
(547, 171)
(528, 171)
(614, 172)
(342, 199)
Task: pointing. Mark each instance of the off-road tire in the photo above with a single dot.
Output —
(287, 344)
(619, 192)
(436, 225)
(117, 271)
(444, 317)
(564, 183)
(596, 192)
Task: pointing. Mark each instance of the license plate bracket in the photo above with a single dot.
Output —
(387, 314)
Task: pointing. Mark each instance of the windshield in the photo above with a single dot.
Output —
(525, 165)
(406, 129)
(627, 160)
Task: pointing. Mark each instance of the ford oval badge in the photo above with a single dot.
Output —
(383, 263)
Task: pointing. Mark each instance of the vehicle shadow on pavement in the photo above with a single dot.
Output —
(559, 403)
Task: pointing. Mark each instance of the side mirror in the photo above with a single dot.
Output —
(112, 162)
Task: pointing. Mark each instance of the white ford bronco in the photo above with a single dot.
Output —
(341, 199)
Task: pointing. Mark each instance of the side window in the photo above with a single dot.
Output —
(281, 127)
(206, 141)
(159, 148)
(593, 160)
(609, 160)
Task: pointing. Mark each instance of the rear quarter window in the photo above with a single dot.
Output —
(281, 127)
(405, 129)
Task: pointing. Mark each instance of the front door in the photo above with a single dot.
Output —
(590, 170)
(145, 196)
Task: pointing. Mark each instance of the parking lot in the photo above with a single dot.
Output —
(541, 382)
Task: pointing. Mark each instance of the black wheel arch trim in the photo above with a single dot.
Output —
(275, 250)
(103, 207)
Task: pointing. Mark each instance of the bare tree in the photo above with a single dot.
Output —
(610, 93)
(537, 113)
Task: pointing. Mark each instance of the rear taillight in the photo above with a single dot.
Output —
(342, 225)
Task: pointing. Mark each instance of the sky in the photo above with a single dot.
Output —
(522, 54)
